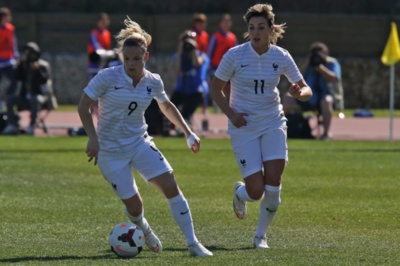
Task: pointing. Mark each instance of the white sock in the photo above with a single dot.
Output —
(241, 192)
(268, 207)
(139, 221)
(180, 211)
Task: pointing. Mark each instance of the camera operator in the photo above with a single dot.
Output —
(34, 89)
(191, 66)
(323, 74)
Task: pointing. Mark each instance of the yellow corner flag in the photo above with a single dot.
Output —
(391, 54)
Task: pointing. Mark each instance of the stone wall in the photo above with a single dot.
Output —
(366, 82)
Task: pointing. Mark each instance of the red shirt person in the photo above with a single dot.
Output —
(199, 26)
(99, 44)
(221, 41)
(8, 50)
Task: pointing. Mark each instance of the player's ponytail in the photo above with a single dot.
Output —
(133, 35)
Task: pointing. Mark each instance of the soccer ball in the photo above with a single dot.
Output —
(126, 240)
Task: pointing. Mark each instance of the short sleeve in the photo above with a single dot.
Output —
(226, 67)
(97, 86)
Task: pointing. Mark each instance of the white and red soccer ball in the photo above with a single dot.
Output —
(126, 240)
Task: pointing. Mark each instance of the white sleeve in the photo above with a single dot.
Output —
(160, 96)
(292, 72)
(97, 86)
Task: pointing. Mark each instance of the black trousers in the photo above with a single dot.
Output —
(187, 103)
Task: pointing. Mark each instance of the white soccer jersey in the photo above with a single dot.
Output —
(254, 79)
(121, 121)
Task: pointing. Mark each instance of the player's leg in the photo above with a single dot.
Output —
(275, 157)
(180, 211)
(155, 169)
(118, 172)
(248, 157)
(327, 113)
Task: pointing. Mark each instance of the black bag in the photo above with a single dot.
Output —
(298, 126)
(3, 121)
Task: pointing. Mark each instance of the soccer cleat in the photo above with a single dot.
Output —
(197, 249)
(239, 206)
(152, 241)
(260, 242)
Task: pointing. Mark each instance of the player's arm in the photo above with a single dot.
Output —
(173, 115)
(93, 147)
(300, 90)
(217, 93)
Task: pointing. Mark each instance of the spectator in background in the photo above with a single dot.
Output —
(191, 65)
(323, 74)
(220, 42)
(8, 51)
(34, 89)
(199, 27)
(99, 49)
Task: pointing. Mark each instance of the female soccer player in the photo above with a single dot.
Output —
(121, 141)
(257, 124)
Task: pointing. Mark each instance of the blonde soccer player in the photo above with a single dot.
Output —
(121, 142)
(257, 124)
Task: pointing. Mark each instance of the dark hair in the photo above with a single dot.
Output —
(136, 42)
(4, 11)
(319, 46)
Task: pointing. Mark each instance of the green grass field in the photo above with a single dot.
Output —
(347, 112)
(340, 206)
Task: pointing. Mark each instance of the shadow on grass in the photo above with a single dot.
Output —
(211, 248)
(347, 150)
(109, 256)
(42, 151)
(60, 258)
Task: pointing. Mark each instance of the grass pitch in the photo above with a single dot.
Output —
(340, 206)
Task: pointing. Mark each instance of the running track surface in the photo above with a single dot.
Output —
(349, 128)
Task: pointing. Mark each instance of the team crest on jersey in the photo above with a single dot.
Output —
(275, 66)
(243, 162)
(149, 90)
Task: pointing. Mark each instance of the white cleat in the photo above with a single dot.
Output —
(152, 241)
(199, 250)
(260, 242)
(239, 206)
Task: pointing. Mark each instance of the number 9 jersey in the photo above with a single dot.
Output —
(121, 121)
(254, 79)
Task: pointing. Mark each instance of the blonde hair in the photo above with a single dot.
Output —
(133, 35)
(265, 11)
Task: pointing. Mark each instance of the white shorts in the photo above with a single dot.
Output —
(253, 148)
(117, 168)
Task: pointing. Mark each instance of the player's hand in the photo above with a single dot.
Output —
(295, 90)
(92, 150)
(193, 142)
(238, 120)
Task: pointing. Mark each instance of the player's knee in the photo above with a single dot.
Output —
(133, 206)
(272, 204)
(255, 193)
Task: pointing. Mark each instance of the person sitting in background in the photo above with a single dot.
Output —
(323, 74)
(191, 65)
(34, 90)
